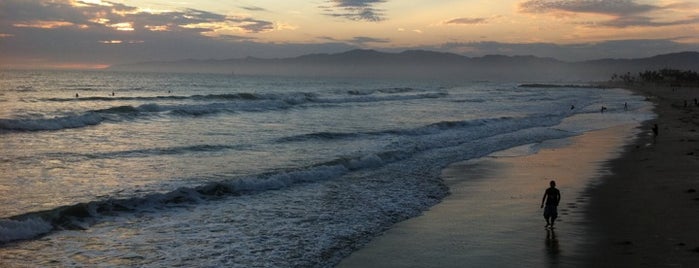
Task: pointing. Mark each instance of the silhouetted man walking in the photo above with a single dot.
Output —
(551, 197)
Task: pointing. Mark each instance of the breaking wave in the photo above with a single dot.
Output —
(229, 103)
(491, 135)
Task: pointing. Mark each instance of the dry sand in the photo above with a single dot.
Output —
(646, 213)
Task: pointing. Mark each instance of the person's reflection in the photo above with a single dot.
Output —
(552, 248)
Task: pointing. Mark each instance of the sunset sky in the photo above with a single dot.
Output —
(94, 33)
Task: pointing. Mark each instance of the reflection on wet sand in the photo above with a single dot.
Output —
(553, 249)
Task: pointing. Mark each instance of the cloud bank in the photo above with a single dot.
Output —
(46, 32)
(106, 32)
(612, 7)
(358, 10)
(623, 13)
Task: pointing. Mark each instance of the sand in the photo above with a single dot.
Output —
(493, 217)
(646, 213)
(630, 206)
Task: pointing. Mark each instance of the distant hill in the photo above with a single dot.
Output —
(424, 64)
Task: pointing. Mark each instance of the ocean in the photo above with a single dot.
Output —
(103, 169)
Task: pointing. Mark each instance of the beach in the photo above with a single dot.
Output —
(493, 217)
(629, 200)
(644, 214)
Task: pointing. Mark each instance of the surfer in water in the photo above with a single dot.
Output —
(551, 197)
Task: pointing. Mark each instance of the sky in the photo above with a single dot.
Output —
(98, 33)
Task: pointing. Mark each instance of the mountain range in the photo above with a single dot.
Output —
(424, 64)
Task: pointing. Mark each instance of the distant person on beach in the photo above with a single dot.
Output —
(626, 106)
(655, 131)
(601, 110)
(551, 198)
(572, 107)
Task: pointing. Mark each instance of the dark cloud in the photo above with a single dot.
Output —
(59, 30)
(359, 10)
(643, 21)
(102, 17)
(467, 21)
(18, 11)
(611, 7)
(69, 45)
(357, 40)
(235, 38)
(252, 25)
(253, 8)
(361, 40)
(626, 13)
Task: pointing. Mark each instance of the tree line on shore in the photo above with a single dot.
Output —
(672, 77)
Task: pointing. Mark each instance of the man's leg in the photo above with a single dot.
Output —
(554, 215)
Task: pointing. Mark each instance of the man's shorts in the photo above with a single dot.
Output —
(550, 212)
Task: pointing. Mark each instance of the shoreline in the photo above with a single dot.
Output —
(637, 206)
(492, 216)
(645, 212)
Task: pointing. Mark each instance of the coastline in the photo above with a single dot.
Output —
(492, 217)
(644, 213)
(636, 206)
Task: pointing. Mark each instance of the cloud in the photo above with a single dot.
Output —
(418, 31)
(253, 8)
(466, 21)
(624, 13)
(252, 25)
(642, 21)
(682, 6)
(106, 32)
(66, 31)
(235, 38)
(609, 7)
(107, 15)
(43, 24)
(357, 40)
(362, 40)
(358, 10)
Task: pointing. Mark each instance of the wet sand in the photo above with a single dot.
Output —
(492, 217)
(635, 206)
(646, 213)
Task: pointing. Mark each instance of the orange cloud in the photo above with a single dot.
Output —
(157, 28)
(466, 21)
(123, 26)
(43, 24)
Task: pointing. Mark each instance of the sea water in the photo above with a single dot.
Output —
(163, 170)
